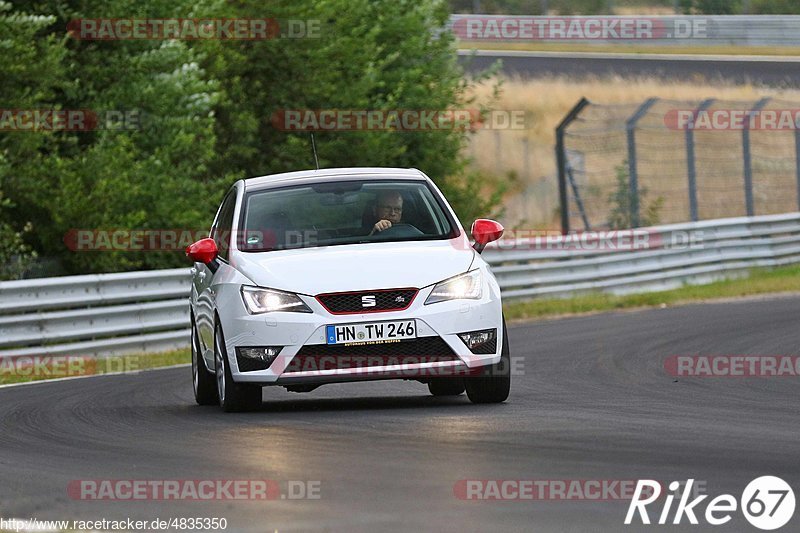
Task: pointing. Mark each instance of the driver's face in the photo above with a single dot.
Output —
(390, 208)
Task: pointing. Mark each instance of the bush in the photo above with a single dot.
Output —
(620, 200)
(15, 255)
(775, 7)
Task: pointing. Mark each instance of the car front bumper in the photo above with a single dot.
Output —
(293, 331)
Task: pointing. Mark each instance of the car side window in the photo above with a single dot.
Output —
(221, 232)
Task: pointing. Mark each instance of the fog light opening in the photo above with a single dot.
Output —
(476, 339)
(257, 357)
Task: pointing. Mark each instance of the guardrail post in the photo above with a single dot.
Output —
(690, 160)
(748, 162)
(561, 160)
(633, 175)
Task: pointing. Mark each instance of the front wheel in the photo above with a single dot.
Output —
(233, 397)
(203, 383)
(494, 384)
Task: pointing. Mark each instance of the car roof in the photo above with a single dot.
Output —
(325, 174)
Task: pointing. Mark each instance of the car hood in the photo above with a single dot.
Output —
(356, 267)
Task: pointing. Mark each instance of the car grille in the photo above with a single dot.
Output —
(315, 357)
(341, 303)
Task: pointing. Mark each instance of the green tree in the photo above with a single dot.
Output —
(32, 75)
(150, 175)
(775, 7)
(368, 54)
(206, 108)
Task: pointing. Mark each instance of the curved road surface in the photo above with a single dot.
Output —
(594, 403)
(778, 71)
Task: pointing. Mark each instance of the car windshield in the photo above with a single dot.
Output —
(342, 212)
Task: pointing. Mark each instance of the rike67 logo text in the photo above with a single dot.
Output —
(767, 503)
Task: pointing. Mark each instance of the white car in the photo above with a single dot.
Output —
(340, 275)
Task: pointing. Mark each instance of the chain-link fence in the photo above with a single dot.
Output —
(664, 161)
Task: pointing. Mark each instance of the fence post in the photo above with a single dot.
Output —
(630, 127)
(690, 159)
(561, 161)
(748, 162)
(576, 193)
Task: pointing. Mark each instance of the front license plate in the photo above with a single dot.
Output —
(371, 332)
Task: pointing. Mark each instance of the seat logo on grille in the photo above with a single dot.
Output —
(368, 301)
(400, 299)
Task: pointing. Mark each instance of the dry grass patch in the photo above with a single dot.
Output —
(546, 101)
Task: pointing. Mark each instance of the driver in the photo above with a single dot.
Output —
(388, 210)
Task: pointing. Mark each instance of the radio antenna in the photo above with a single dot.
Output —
(314, 149)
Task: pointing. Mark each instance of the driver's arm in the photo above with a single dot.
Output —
(380, 226)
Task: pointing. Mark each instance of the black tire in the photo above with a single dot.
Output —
(446, 386)
(203, 382)
(495, 383)
(233, 397)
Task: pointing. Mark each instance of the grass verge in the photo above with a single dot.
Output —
(23, 370)
(760, 281)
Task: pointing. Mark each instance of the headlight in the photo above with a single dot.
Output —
(267, 300)
(463, 286)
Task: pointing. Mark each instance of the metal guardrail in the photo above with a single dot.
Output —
(721, 248)
(111, 314)
(99, 314)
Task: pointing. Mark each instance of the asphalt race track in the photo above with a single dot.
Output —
(594, 403)
(736, 69)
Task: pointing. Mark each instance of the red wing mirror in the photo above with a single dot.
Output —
(485, 231)
(203, 251)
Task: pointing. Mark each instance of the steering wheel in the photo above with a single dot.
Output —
(400, 229)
